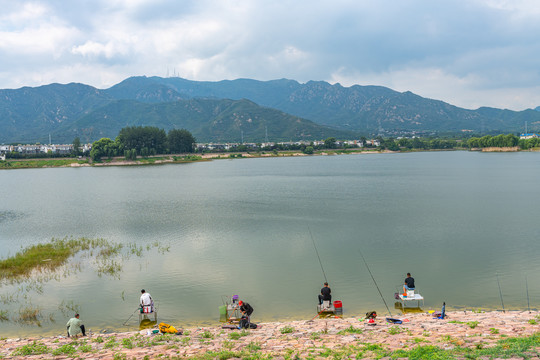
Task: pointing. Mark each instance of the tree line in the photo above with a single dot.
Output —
(508, 140)
(143, 141)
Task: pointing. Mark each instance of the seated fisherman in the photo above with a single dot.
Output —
(75, 326)
(146, 302)
(409, 283)
(326, 294)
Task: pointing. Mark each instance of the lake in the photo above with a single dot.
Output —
(455, 220)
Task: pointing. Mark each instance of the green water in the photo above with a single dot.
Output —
(452, 219)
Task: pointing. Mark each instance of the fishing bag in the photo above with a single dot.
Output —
(167, 329)
(371, 315)
(245, 324)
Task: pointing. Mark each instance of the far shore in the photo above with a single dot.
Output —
(196, 157)
(462, 334)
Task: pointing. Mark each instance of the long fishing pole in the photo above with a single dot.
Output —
(527, 287)
(382, 297)
(500, 292)
(317, 251)
(125, 322)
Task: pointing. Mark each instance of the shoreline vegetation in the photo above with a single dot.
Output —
(23, 275)
(189, 158)
(461, 335)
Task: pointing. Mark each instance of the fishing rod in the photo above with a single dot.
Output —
(317, 251)
(382, 297)
(125, 322)
(527, 287)
(500, 292)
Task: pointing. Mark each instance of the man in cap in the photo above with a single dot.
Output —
(246, 310)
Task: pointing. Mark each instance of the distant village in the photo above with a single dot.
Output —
(66, 149)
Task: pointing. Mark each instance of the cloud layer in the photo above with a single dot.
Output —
(469, 53)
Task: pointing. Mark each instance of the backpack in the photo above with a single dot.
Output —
(167, 329)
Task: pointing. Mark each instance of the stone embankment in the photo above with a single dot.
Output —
(321, 338)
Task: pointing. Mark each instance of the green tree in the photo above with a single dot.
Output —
(76, 146)
(392, 145)
(180, 141)
(330, 143)
(138, 137)
(308, 150)
(101, 148)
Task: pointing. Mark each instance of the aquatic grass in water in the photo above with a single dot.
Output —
(37, 264)
(49, 256)
(29, 314)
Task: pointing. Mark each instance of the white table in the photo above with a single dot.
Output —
(406, 299)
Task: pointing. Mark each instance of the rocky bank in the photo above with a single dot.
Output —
(320, 338)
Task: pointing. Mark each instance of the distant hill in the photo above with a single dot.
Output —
(31, 114)
(210, 120)
(226, 110)
(368, 109)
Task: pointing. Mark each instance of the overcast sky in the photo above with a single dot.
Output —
(469, 53)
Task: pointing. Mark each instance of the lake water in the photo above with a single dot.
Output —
(452, 219)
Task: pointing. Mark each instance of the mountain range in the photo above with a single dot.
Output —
(239, 110)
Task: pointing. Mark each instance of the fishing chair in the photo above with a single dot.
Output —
(325, 304)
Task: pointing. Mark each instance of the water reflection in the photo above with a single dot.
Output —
(146, 323)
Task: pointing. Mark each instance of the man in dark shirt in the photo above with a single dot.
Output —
(246, 310)
(409, 283)
(326, 294)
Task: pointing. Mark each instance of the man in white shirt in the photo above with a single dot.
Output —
(147, 303)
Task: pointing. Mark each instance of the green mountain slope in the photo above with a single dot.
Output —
(369, 109)
(209, 120)
(34, 113)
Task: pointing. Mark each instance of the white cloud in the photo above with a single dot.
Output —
(469, 53)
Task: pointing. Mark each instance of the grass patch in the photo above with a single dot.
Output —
(394, 330)
(39, 163)
(207, 335)
(472, 324)
(287, 330)
(48, 256)
(351, 330)
(66, 349)
(36, 348)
